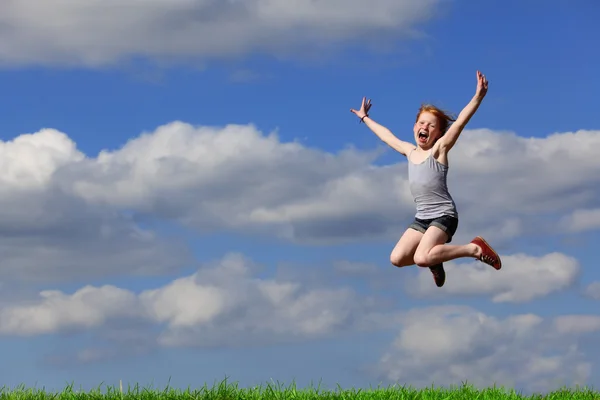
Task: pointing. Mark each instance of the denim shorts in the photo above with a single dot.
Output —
(446, 223)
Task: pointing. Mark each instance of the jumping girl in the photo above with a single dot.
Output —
(425, 242)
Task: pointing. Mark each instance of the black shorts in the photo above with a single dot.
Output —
(446, 223)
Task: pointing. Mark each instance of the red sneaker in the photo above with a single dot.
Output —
(488, 255)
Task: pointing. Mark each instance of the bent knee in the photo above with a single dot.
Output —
(401, 259)
(422, 260)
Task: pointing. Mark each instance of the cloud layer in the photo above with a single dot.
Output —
(448, 345)
(99, 33)
(523, 278)
(77, 213)
(220, 305)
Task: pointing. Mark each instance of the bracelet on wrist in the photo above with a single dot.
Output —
(362, 119)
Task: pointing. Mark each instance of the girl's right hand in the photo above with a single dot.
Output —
(364, 108)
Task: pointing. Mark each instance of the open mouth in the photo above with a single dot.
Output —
(423, 136)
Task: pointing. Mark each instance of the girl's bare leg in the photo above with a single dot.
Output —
(433, 250)
(403, 253)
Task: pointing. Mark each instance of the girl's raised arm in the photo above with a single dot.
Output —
(381, 131)
(447, 141)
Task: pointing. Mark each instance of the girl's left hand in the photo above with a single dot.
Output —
(482, 85)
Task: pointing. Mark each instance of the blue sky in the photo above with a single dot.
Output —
(71, 219)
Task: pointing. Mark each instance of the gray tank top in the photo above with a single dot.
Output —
(429, 188)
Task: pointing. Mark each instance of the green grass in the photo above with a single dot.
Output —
(231, 391)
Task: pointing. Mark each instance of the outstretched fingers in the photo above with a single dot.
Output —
(482, 84)
(365, 106)
(482, 80)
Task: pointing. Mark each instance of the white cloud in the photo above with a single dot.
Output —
(451, 344)
(98, 33)
(236, 178)
(29, 161)
(582, 220)
(89, 307)
(521, 279)
(49, 234)
(221, 305)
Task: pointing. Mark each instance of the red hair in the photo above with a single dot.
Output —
(444, 119)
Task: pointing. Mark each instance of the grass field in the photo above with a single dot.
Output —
(231, 391)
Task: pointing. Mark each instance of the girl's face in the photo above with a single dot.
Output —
(426, 130)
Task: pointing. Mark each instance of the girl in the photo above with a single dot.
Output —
(425, 241)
